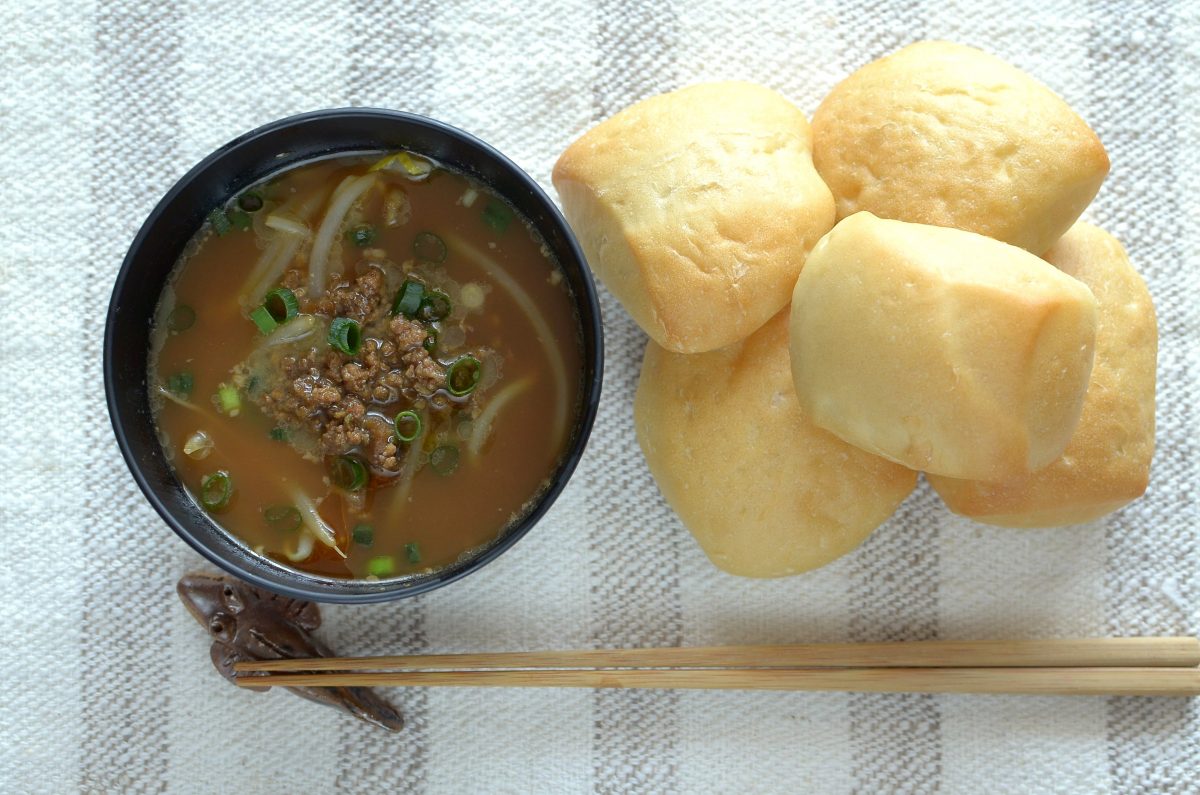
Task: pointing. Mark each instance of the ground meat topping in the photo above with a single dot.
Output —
(407, 333)
(345, 401)
(382, 447)
(359, 300)
(337, 404)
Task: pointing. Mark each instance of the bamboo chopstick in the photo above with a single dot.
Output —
(1052, 653)
(1040, 681)
(1085, 666)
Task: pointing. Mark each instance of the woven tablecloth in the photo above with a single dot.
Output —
(105, 680)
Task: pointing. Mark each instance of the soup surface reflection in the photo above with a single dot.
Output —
(366, 366)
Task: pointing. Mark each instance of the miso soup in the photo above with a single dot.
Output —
(366, 366)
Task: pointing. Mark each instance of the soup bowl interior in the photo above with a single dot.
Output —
(174, 221)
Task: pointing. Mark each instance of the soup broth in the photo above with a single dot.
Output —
(366, 366)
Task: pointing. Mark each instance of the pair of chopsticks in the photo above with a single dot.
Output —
(1088, 666)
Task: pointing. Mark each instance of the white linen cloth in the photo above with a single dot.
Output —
(105, 681)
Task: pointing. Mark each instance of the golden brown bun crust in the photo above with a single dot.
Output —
(697, 208)
(945, 134)
(942, 350)
(764, 491)
(1107, 463)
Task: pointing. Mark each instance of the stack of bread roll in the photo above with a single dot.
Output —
(902, 287)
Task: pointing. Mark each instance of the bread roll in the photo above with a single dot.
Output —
(697, 208)
(944, 134)
(764, 491)
(1107, 463)
(939, 349)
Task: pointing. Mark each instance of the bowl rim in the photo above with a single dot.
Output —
(339, 590)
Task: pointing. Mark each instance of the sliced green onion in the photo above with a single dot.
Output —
(345, 335)
(363, 535)
(463, 376)
(408, 426)
(408, 298)
(282, 304)
(431, 339)
(497, 216)
(283, 518)
(229, 399)
(215, 490)
(381, 566)
(262, 318)
(181, 384)
(240, 219)
(412, 551)
(220, 222)
(434, 306)
(429, 247)
(348, 473)
(444, 460)
(362, 235)
(250, 201)
(279, 434)
(182, 318)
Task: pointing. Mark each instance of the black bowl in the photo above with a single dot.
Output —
(175, 220)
